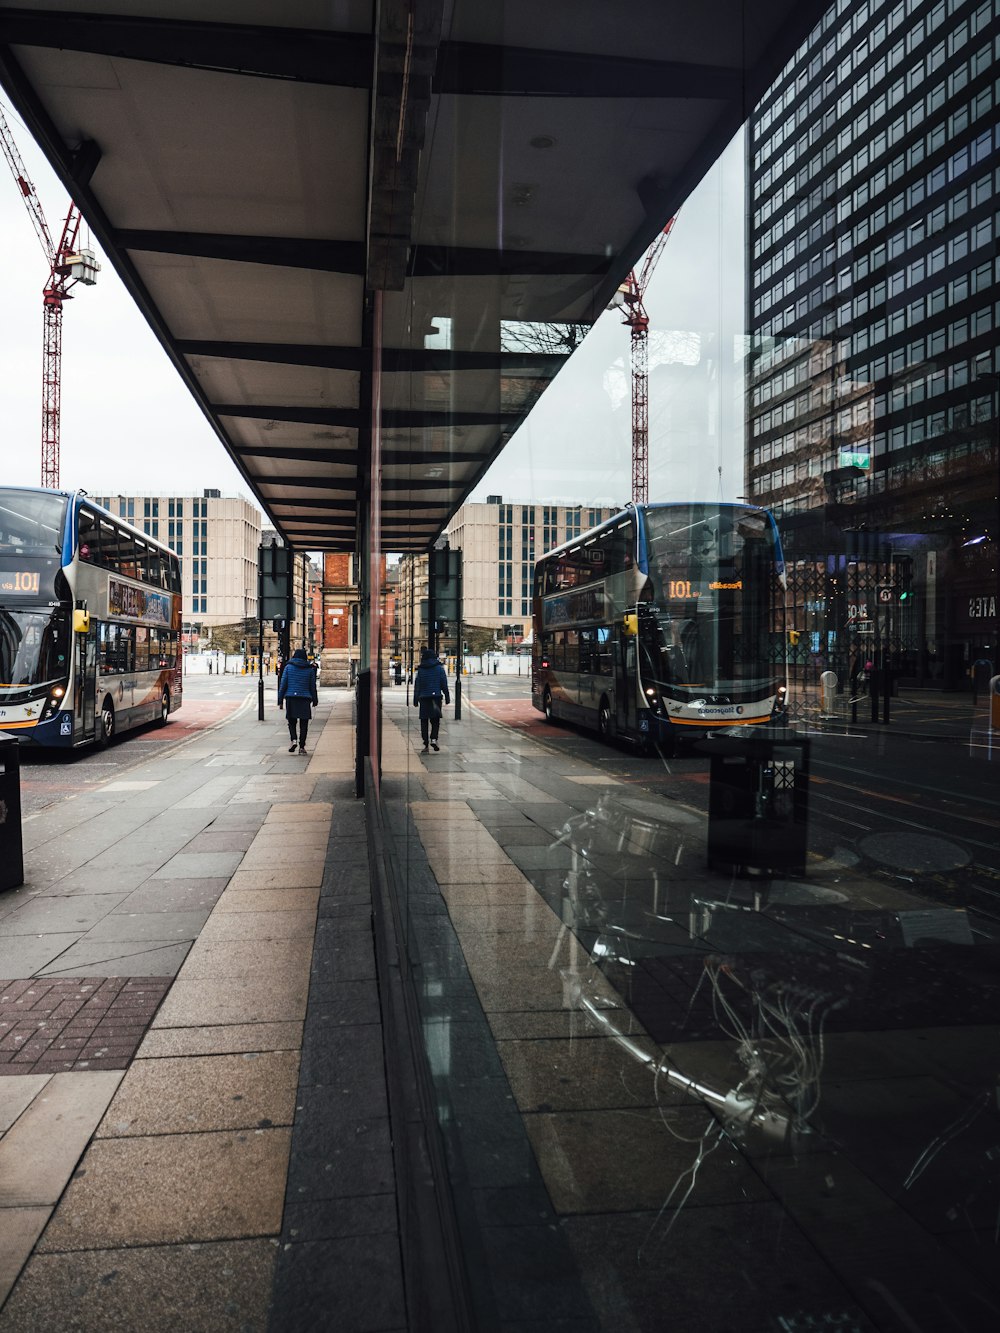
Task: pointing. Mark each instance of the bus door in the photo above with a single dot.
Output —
(86, 683)
(625, 677)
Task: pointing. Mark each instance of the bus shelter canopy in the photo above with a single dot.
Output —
(257, 171)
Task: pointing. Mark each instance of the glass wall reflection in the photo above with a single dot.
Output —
(709, 997)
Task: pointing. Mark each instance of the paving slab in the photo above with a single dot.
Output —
(173, 1188)
(24, 955)
(123, 958)
(258, 926)
(315, 812)
(207, 1003)
(160, 926)
(222, 1039)
(252, 1090)
(269, 900)
(174, 895)
(197, 865)
(287, 876)
(359, 1276)
(40, 1152)
(279, 856)
(268, 958)
(20, 1229)
(284, 789)
(17, 1092)
(48, 913)
(221, 1287)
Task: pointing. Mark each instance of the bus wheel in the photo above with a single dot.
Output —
(604, 720)
(547, 706)
(164, 708)
(107, 727)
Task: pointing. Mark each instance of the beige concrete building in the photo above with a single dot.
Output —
(500, 542)
(410, 623)
(216, 536)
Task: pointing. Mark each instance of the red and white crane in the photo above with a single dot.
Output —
(631, 294)
(67, 267)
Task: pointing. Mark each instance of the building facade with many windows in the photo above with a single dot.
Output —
(500, 542)
(874, 303)
(216, 536)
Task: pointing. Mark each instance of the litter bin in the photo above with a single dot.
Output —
(11, 849)
(757, 800)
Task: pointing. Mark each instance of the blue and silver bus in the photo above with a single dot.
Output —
(662, 623)
(90, 621)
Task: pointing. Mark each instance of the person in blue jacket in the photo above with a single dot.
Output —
(429, 687)
(297, 694)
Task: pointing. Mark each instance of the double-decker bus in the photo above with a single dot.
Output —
(90, 621)
(662, 623)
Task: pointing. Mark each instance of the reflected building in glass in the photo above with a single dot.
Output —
(873, 289)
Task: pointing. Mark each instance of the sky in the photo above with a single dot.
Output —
(129, 424)
(695, 303)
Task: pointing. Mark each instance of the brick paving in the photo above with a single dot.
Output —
(49, 1025)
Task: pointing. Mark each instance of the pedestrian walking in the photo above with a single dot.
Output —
(297, 695)
(429, 687)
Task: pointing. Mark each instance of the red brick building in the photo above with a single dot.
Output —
(341, 639)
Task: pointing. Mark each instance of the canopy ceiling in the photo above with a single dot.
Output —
(258, 169)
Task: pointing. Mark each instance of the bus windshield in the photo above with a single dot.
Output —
(704, 625)
(34, 648)
(31, 522)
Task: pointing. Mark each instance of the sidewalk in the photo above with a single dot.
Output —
(919, 713)
(170, 1191)
(213, 1152)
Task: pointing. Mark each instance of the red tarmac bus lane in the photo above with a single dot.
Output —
(193, 716)
(521, 715)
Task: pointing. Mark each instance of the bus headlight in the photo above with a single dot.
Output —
(53, 703)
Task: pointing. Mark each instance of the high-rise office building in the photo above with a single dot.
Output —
(873, 308)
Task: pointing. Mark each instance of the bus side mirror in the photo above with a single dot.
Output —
(81, 622)
(630, 625)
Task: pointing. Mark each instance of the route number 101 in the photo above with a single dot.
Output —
(20, 580)
(681, 588)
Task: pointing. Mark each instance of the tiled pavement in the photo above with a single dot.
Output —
(55, 1024)
(150, 1193)
(238, 1173)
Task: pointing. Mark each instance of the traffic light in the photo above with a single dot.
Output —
(243, 645)
(278, 624)
(793, 637)
(904, 578)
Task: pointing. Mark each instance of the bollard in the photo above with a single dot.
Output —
(828, 686)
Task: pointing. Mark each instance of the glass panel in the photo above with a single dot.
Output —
(699, 891)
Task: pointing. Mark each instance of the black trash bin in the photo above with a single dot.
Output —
(11, 848)
(758, 800)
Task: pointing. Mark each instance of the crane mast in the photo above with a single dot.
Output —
(67, 267)
(632, 292)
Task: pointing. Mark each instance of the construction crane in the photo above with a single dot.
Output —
(67, 267)
(630, 302)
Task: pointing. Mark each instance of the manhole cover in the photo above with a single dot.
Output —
(914, 852)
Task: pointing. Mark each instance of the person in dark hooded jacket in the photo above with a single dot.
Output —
(429, 687)
(297, 694)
